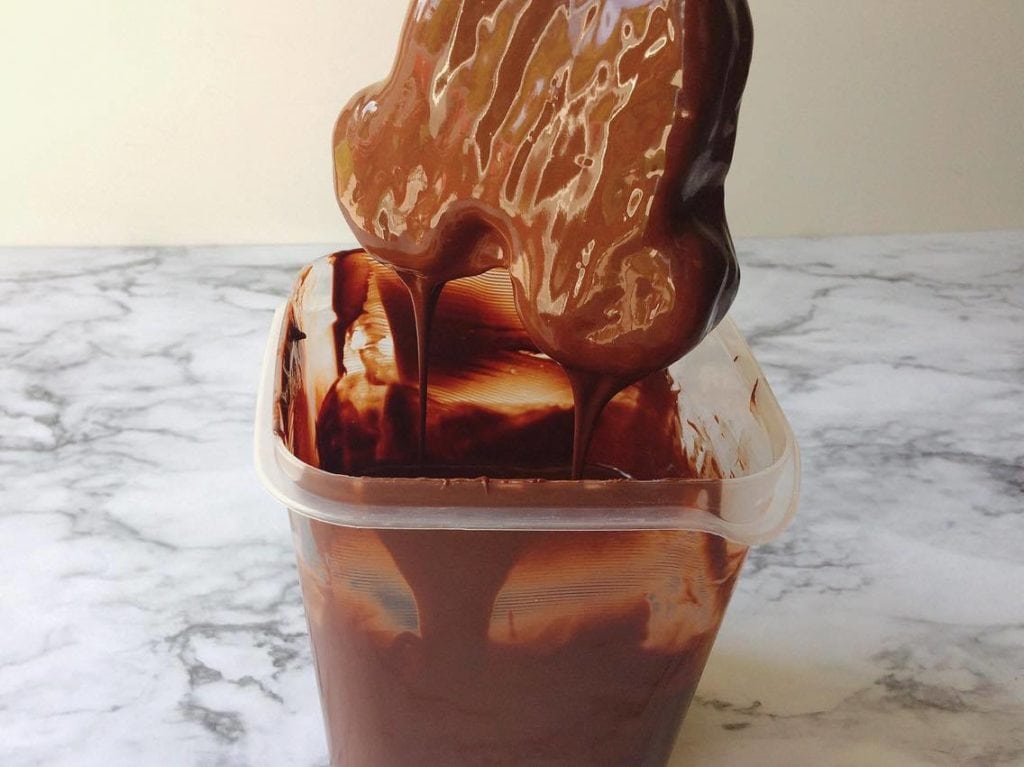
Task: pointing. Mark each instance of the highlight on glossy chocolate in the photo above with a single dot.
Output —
(579, 147)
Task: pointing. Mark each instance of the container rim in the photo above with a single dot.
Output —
(767, 498)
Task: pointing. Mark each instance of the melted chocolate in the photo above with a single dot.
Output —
(540, 186)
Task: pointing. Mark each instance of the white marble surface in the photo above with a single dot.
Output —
(148, 596)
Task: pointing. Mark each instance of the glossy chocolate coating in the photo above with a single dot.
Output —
(581, 145)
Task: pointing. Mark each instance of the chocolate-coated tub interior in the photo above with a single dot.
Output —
(451, 647)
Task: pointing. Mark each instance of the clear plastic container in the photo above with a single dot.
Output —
(515, 621)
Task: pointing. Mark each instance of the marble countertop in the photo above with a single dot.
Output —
(149, 597)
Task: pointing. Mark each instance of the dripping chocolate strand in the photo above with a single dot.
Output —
(591, 392)
(424, 294)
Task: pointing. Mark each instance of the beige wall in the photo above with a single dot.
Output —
(195, 121)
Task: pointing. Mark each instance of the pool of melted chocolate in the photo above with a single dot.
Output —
(459, 648)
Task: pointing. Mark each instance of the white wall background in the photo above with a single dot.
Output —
(199, 121)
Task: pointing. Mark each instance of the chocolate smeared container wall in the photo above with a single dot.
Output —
(461, 621)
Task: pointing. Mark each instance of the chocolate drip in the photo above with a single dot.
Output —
(580, 649)
(591, 392)
(348, 297)
(423, 293)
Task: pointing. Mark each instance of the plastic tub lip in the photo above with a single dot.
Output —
(426, 503)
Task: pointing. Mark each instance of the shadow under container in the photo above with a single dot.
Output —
(522, 622)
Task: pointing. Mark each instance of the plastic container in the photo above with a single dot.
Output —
(517, 622)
